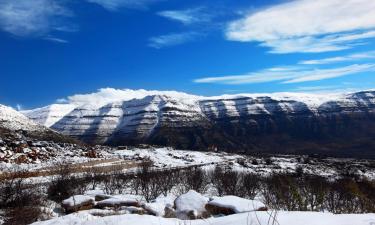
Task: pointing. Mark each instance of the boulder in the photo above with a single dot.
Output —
(191, 206)
(228, 205)
(169, 212)
(135, 210)
(78, 203)
(158, 206)
(117, 203)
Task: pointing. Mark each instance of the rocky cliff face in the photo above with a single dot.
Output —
(283, 123)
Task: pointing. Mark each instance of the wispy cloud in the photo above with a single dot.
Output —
(187, 16)
(289, 75)
(41, 18)
(307, 26)
(113, 5)
(31, 18)
(172, 39)
(346, 58)
(323, 74)
(55, 39)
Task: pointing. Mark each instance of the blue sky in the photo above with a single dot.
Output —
(50, 49)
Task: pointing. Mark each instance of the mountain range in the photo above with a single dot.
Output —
(324, 124)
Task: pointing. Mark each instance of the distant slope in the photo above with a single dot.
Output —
(12, 122)
(49, 115)
(337, 124)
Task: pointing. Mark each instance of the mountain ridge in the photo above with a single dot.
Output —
(282, 122)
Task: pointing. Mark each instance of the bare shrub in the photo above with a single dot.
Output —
(64, 184)
(226, 181)
(20, 201)
(115, 182)
(250, 184)
(281, 192)
(314, 189)
(148, 181)
(195, 179)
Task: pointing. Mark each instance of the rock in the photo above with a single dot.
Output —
(158, 206)
(117, 203)
(191, 206)
(101, 197)
(135, 210)
(228, 205)
(169, 212)
(77, 203)
(91, 154)
(22, 158)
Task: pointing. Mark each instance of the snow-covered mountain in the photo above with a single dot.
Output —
(15, 126)
(257, 122)
(49, 115)
(13, 120)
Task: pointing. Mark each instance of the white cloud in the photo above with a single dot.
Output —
(113, 5)
(187, 16)
(347, 58)
(109, 95)
(31, 18)
(307, 25)
(316, 88)
(289, 75)
(172, 39)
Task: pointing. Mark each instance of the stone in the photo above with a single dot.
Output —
(78, 203)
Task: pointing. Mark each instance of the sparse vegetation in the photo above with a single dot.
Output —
(20, 202)
(297, 191)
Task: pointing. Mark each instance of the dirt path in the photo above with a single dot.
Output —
(104, 165)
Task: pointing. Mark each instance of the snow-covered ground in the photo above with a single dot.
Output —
(165, 158)
(329, 167)
(251, 218)
(190, 208)
(168, 157)
(193, 204)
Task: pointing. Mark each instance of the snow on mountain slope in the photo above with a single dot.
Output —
(136, 116)
(14, 120)
(234, 105)
(120, 117)
(49, 115)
